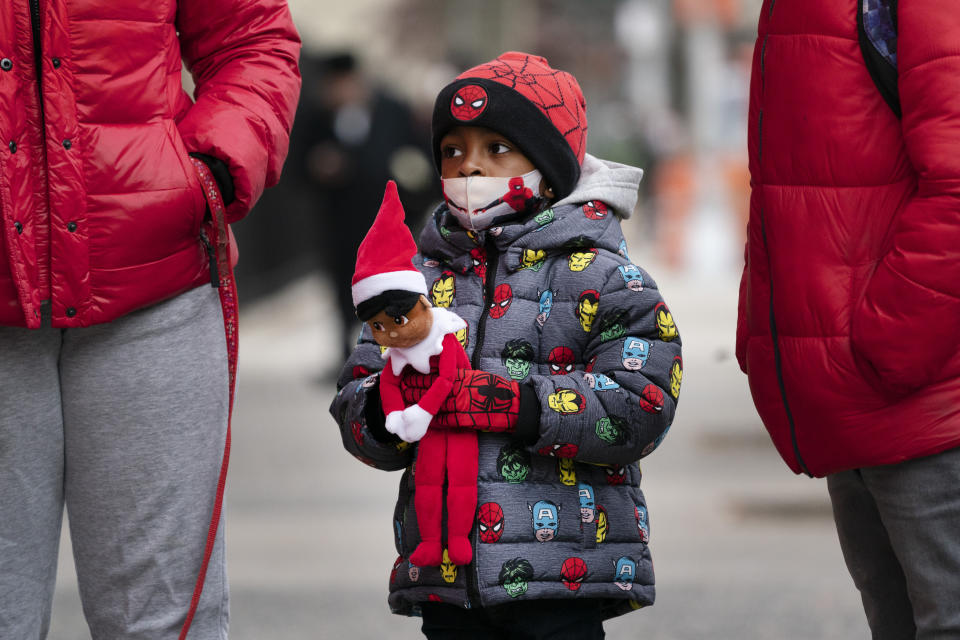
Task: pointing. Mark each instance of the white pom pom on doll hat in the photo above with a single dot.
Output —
(385, 257)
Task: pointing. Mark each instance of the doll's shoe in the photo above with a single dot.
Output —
(427, 554)
(460, 551)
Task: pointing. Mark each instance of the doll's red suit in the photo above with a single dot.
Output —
(384, 264)
(441, 451)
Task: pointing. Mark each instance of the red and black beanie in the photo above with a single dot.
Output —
(538, 108)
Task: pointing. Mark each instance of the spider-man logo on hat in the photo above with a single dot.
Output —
(468, 103)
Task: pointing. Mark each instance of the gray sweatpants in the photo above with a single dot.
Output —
(898, 527)
(124, 423)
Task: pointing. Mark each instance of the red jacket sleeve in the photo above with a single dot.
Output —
(906, 325)
(742, 337)
(243, 57)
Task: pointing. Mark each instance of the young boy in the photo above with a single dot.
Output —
(560, 541)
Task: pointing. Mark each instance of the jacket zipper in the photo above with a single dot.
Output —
(774, 335)
(493, 259)
(37, 55)
(212, 256)
(778, 359)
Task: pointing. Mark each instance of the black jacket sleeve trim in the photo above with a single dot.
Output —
(221, 174)
(528, 420)
(376, 421)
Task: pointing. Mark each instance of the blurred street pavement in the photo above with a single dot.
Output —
(744, 550)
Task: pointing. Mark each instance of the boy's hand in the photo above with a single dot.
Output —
(478, 400)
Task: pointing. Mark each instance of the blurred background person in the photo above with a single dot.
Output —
(353, 135)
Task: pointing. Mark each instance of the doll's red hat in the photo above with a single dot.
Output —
(385, 257)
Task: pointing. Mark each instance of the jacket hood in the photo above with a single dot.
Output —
(576, 221)
(610, 182)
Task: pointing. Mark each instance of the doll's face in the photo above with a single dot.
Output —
(405, 330)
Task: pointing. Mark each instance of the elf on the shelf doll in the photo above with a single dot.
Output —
(389, 294)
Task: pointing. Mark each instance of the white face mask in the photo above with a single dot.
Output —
(479, 202)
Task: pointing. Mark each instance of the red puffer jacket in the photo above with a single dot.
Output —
(850, 300)
(100, 207)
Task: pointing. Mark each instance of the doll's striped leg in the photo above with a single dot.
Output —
(428, 500)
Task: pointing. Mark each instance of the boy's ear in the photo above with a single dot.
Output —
(546, 190)
(424, 301)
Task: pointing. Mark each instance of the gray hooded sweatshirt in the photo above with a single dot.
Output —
(553, 302)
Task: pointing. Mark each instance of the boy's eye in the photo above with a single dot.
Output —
(499, 147)
(400, 320)
(377, 326)
(450, 152)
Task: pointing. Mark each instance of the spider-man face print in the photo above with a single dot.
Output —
(595, 210)
(616, 475)
(357, 430)
(360, 371)
(572, 573)
(490, 522)
(560, 361)
(479, 257)
(651, 399)
(468, 102)
(502, 297)
(559, 450)
(393, 572)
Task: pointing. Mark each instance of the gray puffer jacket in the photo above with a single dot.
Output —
(553, 302)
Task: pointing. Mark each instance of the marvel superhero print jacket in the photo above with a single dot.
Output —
(100, 205)
(555, 303)
(850, 298)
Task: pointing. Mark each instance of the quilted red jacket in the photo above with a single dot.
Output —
(100, 207)
(850, 300)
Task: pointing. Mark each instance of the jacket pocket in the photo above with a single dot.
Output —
(192, 180)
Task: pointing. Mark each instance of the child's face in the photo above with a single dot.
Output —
(402, 331)
(478, 151)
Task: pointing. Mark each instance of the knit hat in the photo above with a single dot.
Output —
(385, 257)
(540, 109)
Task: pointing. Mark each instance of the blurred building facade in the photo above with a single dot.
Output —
(666, 84)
